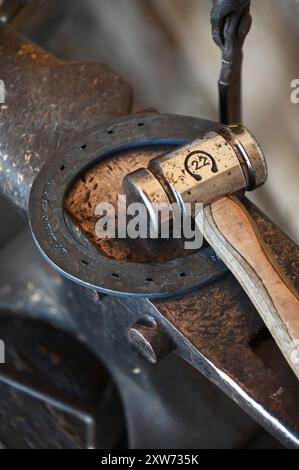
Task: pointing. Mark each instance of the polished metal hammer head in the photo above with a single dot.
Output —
(219, 164)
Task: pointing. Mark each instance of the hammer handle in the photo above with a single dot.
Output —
(232, 233)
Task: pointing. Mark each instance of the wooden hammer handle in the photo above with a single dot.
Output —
(232, 233)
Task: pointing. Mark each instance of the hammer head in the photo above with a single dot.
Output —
(219, 164)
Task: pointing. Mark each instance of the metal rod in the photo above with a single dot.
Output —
(231, 22)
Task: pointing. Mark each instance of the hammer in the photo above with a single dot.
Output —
(211, 170)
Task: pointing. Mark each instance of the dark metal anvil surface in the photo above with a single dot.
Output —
(63, 341)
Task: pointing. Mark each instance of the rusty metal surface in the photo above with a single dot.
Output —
(48, 102)
(222, 324)
(216, 328)
(224, 329)
(167, 405)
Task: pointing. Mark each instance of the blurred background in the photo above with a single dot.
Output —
(165, 50)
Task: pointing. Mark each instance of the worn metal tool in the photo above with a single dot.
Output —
(208, 168)
(204, 171)
(231, 22)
